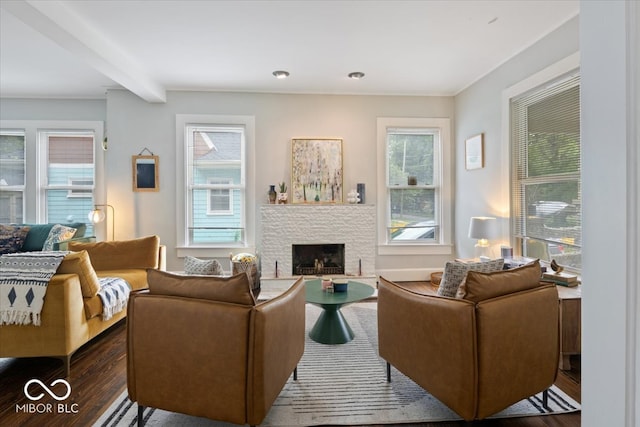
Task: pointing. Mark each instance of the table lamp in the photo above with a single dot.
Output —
(481, 228)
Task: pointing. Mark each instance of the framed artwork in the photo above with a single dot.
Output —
(316, 170)
(145, 173)
(474, 152)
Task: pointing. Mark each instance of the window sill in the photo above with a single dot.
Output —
(415, 249)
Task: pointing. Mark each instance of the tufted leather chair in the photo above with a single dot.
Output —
(203, 347)
(477, 355)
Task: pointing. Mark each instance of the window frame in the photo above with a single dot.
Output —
(34, 196)
(183, 246)
(227, 186)
(565, 67)
(443, 178)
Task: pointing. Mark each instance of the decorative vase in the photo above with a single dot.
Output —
(272, 194)
(282, 198)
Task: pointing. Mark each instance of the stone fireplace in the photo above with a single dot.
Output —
(311, 227)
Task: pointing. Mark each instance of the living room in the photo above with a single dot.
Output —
(600, 40)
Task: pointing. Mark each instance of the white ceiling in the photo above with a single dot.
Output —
(81, 48)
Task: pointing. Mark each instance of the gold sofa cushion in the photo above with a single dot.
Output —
(234, 289)
(481, 286)
(121, 254)
(80, 264)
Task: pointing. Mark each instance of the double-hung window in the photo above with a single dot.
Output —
(12, 176)
(49, 170)
(546, 190)
(416, 191)
(215, 185)
(67, 178)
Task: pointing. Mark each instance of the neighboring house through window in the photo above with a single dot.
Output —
(214, 158)
(416, 213)
(12, 176)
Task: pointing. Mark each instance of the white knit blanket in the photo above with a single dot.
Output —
(114, 293)
(24, 278)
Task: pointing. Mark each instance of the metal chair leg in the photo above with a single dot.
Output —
(140, 415)
(388, 372)
(295, 373)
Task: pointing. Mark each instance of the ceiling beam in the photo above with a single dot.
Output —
(56, 21)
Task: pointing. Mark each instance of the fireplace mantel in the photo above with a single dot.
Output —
(285, 225)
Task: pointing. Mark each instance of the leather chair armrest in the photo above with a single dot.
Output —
(432, 340)
(520, 349)
(278, 338)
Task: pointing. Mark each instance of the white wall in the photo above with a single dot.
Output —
(609, 119)
(134, 125)
(485, 192)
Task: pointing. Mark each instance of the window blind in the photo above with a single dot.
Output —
(546, 191)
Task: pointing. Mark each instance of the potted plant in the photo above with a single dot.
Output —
(282, 195)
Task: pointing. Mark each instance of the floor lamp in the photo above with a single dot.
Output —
(97, 215)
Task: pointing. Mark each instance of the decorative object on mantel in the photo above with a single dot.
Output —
(360, 190)
(145, 171)
(353, 197)
(474, 152)
(272, 194)
(316, 170)
(282, 195)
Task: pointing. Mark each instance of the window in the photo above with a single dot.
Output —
(546, 196)
(50, 171)
(220, 199)
(69, 171)
(415, 191)
(215, 187)
(12, 176)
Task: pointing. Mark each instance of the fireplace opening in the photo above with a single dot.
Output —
(309, 259)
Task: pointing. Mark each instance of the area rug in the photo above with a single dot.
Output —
(343, 385)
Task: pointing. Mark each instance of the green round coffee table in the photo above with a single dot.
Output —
(331, 327)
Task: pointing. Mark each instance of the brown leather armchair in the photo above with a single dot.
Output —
(207, 349)
(477, 355)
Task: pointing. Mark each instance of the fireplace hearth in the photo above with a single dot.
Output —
(316, 259)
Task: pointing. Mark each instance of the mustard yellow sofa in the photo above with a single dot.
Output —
(71, 315)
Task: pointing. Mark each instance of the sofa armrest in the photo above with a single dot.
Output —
(431, 340)
(64, 245)
(278, 339)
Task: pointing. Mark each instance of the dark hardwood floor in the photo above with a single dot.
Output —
(98, 376)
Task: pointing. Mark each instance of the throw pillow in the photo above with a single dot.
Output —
(80, 264)
(121, 254)
(455, 272)
(234, 289)
(59, 233)
(481, 286)
(12, 238)
(208, 267)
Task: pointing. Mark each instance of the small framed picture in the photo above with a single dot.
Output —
(474, 152)
(145, 173)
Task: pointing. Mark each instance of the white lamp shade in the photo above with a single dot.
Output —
(481, 227)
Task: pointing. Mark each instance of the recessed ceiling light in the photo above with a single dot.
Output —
(356, 75)
(281, 74)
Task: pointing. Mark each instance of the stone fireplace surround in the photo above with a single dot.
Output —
(282, 226)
